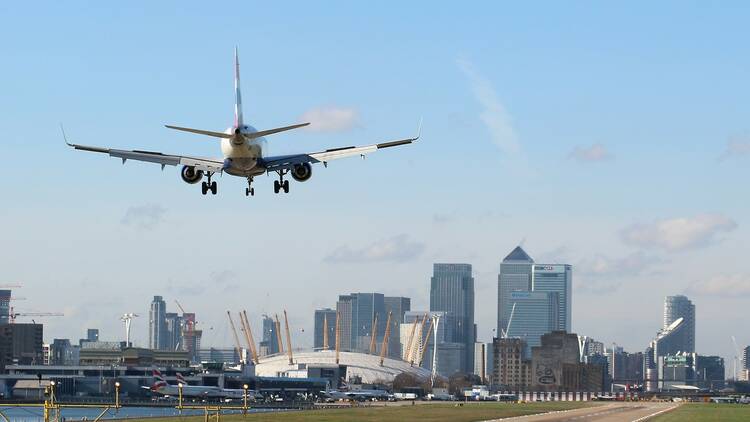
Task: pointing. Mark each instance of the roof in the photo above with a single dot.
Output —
(358, 364)
(518, 254)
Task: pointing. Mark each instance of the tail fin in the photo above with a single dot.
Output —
(237, 94)
(158, 381)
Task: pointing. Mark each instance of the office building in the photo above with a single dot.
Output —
(269, 344)
(21, 344)
(157, 324)
(324, 335)
(556, 279)
(535, 314)
(92, 334)
(511, 370)
(4, 306)
(450, 354)
(676, 307)
(357, 313)
(526, 286)
(452, 292)
(709, 372)
(556, 366)
(480, 361)
(173, 332)
(515, 275)
(397, 306)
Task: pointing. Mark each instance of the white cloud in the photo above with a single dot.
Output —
(397, 249)
(330, 119)
(144, 217)
(736, 146)
(733, 285)
(679, 233)
(629, 265)
(494, 116)
(596, 152)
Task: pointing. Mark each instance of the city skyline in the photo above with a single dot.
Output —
(613, 150)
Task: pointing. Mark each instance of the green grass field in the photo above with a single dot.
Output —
(707, 412)
(423, 412)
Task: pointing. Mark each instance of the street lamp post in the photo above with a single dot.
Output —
(244, 399)
(117, 394)
(179, 391)
(52, 392)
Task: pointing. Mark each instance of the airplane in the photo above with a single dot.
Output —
(242, 148)
(361, 395)
(161, 386)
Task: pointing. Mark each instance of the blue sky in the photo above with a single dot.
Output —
(611, 137)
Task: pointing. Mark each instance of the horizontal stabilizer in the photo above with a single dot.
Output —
(272, 131)
(202, 132)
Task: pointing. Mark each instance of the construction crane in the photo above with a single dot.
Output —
(384, 347)
(249, 335)
(288, 339)
(237, 346)
(373, 334)
(127, 319)
(325, 332)
(338, 336)
(13, 315)
(188, 329)
(504, 332)
(278, 334)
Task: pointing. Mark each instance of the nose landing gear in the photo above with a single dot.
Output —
(209, 186)
(249, 191)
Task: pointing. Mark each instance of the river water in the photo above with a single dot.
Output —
(36, 414)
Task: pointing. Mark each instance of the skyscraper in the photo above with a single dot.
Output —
(535, 314)
(269, 343)
(92, 334)
(324, 319)
(515, 275)
(452, 292)
(357, 315)
(4, 306)
(173, 332)
(550, 288)
(157, 324)
(556, 279)
(676, 307)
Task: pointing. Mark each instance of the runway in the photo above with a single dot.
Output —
(610, 412)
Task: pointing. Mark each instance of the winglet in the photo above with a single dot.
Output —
(65, 138)
(419, 129)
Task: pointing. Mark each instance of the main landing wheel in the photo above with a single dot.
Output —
(213, 188)
(249, 191)
(276, 186)
(204, 188)
(285, 185)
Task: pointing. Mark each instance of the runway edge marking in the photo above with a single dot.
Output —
(553, 412)
(647, 417)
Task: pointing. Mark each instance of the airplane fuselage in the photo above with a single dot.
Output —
(242, 156)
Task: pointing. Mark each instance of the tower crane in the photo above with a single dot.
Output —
(14, 315)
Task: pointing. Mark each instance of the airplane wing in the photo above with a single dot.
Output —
(205, 164)
(288, 161)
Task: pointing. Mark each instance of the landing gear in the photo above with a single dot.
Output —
(281, 183)
(209, 186)
(249, 191)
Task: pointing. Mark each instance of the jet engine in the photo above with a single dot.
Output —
(302, 172)
(191, 175)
